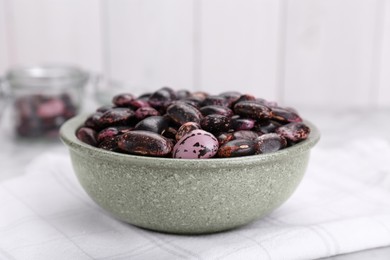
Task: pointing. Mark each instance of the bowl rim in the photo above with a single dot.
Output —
(68, 137)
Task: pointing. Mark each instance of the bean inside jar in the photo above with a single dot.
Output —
(193, 125)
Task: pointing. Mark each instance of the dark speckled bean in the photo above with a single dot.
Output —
(87, 135)
(215, 123)
(239, 123)
(122, 100)
(269, 143)
(110, 132)
(145, 143)
(162, 97)
(182, 94)
(223, 138)
(267, 126)
(215, 100)
(111, 144)
(170, 133)
(284, 115)
(245, 97)
(245, 134)
(181, 113)
(252, 110)
(138, 103)
(185, 129)
(231, 97)
(156, 124)
(214, 109)
(116, 117)
(294, 132)
(144, 112)
(93, 121)
(236, 148)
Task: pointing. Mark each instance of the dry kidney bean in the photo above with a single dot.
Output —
(236, 148)
(116, 117)
(144, 112)
(215, 100)
(269, 143)
(245, 134)
(112, 131)
(185, 129)
(214, 109)
(138, 103)
(231, 96)
(111, 144)
(239, 123)
(170, 133)
(87, 135)
(215, 123)
(162, 97)
(284, 115)
(252, 109)
(156, 124)
(122, 100)
(182, 94)
(181, 113)
(145, 143)
(244, 125)
(294, 132)
(223, 138)
(266, 126)
(93, 120)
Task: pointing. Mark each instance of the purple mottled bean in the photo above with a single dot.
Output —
(185, 129)
(116, 117)
(214, 109)
(122, 100)
(239, 123)
(156, 124)
(269, 143)
(236, 148)
(215, 100)
(112, 131)
(145, 143)
(294, 132)
(87, 135)
(181, 113)
(245, 134)
(252, 110)
(284, 115)
(144, 112)
(215, 123)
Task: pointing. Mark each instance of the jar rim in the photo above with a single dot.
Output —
(54, 74)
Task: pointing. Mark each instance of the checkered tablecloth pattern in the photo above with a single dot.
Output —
(342, 205)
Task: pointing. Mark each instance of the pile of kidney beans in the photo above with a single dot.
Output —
(41, 115)
(181, 124)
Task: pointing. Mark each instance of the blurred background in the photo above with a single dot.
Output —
(325, 54)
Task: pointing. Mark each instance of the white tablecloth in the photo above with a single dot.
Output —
(342, 205)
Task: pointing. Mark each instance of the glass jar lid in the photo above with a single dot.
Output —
(46, 76)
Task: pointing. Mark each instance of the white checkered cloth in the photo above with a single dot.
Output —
(342, 205)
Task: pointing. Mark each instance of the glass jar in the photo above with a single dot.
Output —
(44, 97)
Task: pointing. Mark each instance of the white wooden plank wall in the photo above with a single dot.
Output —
(3, 38)
(48, 31)
(384, 69)
(329, 55)
(304, 53)
(150, 43)
(239, 46)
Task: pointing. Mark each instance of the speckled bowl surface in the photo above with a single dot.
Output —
(187, 196)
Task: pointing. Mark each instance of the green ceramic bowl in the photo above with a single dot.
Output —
(187, 196)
